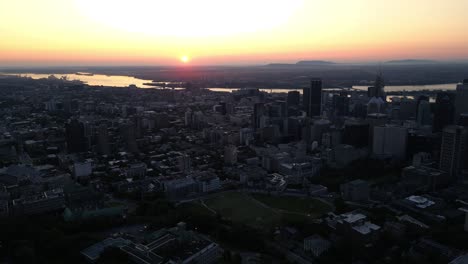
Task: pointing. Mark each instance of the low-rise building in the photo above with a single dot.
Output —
(207, 182)
(82, 169)
(355, 226)
(316, 245)
(136, 170)
(180, 188)
(174, 245)
(48, 201)
(356, 191)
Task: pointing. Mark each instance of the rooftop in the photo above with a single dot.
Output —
(352, 217)
(420, 201)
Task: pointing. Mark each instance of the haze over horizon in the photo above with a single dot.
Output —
(209, 32)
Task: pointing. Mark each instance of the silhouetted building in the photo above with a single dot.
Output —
(294, 98)
(444, 111)
(390, 141)
(376, 105)
(407, 109)
(258, 113)
(341, 105)
(378, 89)
(356, 191)
(76, 139)
(463, 120)
(312, 101)
(356, 133)
(424, 111)
(103, 145)
(129, 136)
(461, 105)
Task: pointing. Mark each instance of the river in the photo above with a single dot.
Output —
(125, 81)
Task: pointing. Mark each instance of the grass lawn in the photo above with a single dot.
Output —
(195, 208)
(307, 206)
(239, 207)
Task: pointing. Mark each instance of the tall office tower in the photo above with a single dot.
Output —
(294, 98)
(341, 104)
(188, 117)
(278, 115)
(424, 111)
(375, 119)
(461, 105)
(359, 110)
(258, 113)
(277, 109)
(103, 140)
(356, 133)
(378, 90)
(129, 136)
(444, 111)
(407, 109)
(76, 138)
(453, 152)
(312, 101)
(222, 108)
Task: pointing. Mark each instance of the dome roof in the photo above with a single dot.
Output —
(376, 100)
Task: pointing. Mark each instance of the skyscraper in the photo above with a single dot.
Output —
(341, 104)
(294, 98)
(424, 111)
(453, 150)
(390, 141)
(444, 111)
(312, 101)
(378, 89)
(461, 105)
(76, 139)
(259, 111)
(103, 140)
(129, 136)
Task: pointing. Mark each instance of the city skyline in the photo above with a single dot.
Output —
(207, 32)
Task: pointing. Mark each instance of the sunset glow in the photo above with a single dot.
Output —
(184, 59)
(154, 32)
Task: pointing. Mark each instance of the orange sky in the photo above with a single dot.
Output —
(160, 32)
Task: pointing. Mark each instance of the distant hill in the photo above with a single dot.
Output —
(303, 63)
(314, 62)
(411, 61)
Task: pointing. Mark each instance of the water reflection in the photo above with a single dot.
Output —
(125, 81)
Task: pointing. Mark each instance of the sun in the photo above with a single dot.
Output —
(184, 59)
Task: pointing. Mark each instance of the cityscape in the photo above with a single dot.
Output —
(231, 159)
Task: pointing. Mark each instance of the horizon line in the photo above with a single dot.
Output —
(72, 65)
